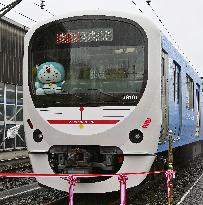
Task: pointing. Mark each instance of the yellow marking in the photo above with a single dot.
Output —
(50, 84)
(81, 126)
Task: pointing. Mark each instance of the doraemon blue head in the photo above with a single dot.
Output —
(50, 76)
(50, 72)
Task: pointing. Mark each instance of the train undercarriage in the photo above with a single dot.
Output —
(84, 159)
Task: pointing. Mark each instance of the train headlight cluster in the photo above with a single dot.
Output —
(37, 135)
(135, 136)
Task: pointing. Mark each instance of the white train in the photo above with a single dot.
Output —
(92, 101)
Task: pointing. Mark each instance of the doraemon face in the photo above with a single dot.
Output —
(50, 72)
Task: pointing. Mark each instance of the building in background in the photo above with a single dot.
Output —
(11, 90)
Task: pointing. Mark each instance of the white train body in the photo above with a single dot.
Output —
(105, 127)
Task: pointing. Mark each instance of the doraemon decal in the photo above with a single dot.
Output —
(49, 79)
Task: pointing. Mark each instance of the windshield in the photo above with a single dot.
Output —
(95, 66)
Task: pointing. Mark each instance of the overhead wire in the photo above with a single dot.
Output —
(21, 14)
(159, 19)
(157, 16)
(42, 5)
(5, 7)
(137, 7)
(8, 7)
(43, 8)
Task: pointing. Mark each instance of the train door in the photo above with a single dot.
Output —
(197, 110)
(177, 98)
(164, 96)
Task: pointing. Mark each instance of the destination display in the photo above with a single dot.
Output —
(84, 35)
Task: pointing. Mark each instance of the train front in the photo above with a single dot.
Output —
(92, 99)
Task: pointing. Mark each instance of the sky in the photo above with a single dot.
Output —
(182, 18)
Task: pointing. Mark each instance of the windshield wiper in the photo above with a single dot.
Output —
(71, 94)
(101, 92)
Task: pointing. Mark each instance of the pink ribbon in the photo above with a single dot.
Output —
(122, 179)
(169, 175)
(72, 180)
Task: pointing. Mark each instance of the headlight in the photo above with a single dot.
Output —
(37, 135)
(135, 136)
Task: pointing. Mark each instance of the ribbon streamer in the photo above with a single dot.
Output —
(72, 180)
(122, 179)
(169, 175)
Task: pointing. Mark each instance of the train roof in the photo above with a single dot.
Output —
(14, 23)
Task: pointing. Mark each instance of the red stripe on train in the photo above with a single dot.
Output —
(83, 121)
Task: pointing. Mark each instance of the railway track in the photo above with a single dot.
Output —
(18, 191)
(15, 164)
(14, 160)
(148, 193)
(62, 201)
(31, 194)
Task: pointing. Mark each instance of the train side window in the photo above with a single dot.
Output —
(198, 110)
(163, 74)
(1, 103)
(164, 96)
(189, 93)
(176, 70)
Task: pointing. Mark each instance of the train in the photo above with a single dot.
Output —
(101, 91)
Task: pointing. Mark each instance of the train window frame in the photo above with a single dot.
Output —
(176, 82)
(45, 101)
(2, 92)
(2, 107)
(10, 102)
(2, 126)
(164, 95)
(189, 93)
(198, 108)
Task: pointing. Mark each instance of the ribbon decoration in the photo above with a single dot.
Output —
(72, 180)
(169, 175)
(122, 179)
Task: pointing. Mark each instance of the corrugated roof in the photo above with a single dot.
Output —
(10, 21)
